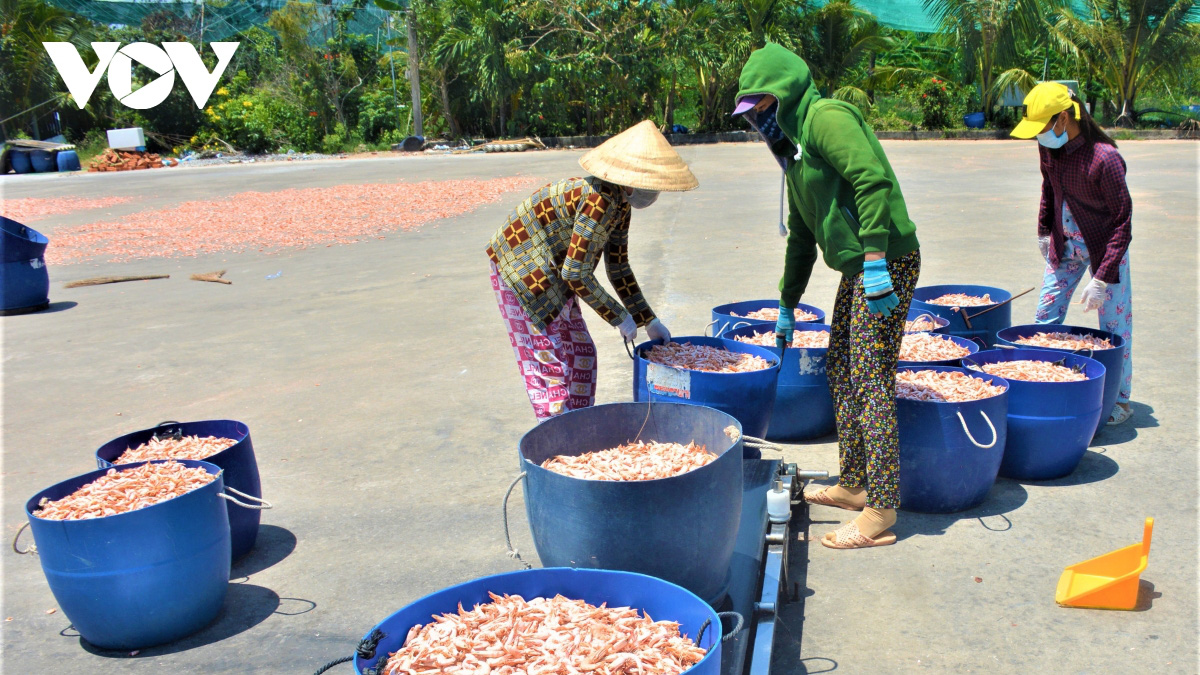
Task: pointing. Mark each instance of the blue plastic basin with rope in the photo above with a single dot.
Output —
(24, 279)
(980, 322)
(662, 600)
(940, 322)
(950, 453)
(723, 316)
(969, 345)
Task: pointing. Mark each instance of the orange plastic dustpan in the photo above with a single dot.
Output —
(1107, 582)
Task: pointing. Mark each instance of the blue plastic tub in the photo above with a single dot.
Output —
(20, 161)
(950, 453)
(1049, 423)
(983, 321)
(24, 279)
(663, 601)
(43, 161)
(961, 342)
(141, 578)
(749, 397)
(803, 407)
(723, 318)
(974, 120)
(238, 462)
(67, 160)
(942, 323)
(1112, 359)
(681, 529)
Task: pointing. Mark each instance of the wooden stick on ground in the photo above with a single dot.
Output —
(214, 277)
(96, 281)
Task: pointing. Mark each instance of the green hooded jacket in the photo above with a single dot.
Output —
(841, 169)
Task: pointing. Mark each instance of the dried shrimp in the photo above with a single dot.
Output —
(633, 461)
(919, 347)
(921, 324)
(808, 339)
(1033, 371)
(772, 314)
(121, 491)
(1065, 341)
(688, 356)
(962, 300)
(951, 387)
(187, 447)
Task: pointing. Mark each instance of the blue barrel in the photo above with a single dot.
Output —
(43, 161)
(141, 578)
(723, 318)
(1112, 359)
(681, 529)
(1049, 423)
(68, 160)
(663, 601)
(747, 396)
(803, 407)
(20, 161)
(961, 342)
(942, 323)
(237, 461)
(950, 453)
(985, 320)
(24, 280)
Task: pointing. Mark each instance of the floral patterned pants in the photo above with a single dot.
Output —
(863, 351)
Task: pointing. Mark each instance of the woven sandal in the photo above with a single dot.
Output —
(848, 536)
(1119, 416)
(822, 498)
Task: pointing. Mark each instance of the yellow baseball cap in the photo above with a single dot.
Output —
(1041, 103)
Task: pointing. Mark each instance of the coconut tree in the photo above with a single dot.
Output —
(29, 75)
(840, 36)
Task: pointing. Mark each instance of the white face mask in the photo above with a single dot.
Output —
(640, 199)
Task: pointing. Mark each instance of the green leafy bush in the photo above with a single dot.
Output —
(260, 121)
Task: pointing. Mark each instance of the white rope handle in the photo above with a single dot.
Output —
(761, 444)
(262, 505)
(716, 333)
(512, 552)
(971, 438)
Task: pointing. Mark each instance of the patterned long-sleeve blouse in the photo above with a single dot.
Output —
(550, 246)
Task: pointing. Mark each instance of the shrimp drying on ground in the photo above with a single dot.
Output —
(187, 447)
(1065, 341)
(772, 314)
(1033, 371)
(688, 356)
(928, 347)
(639, 460)
(950, 387)
(807, 339)
(921, 324)
(957, 300)
(514, 636)
(121, 491)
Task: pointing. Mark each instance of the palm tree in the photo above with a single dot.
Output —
(841, 36)
(683, 43)
(1128, 44)
(28, 72)
(477, 39)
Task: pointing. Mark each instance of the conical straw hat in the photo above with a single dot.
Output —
(640, 157)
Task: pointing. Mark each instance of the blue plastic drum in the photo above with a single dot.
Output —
(803, 407)
(20, 161)
(984, 321)
(749, 397)
(942, 323)
(1049, 423)
(1112, 359)
(43, 161)
(663, 601)
(141, 578)
(681, 528)
(67, 160)
(961, 342)
(723, 318)
(24, 279)
(950, 453)
(238, 462)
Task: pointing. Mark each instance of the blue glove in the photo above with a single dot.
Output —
(785, 326)
(877, 285)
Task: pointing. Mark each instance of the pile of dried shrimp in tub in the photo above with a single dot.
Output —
(772, 314)
(632, 461)
(807, 339)
(688, 356)
(123, 491)
(514, 636)
(962, 300)
(186, 447)
(929, 347)
(921, 324)
(949, 386)
(1065, 341)
(1033, 371)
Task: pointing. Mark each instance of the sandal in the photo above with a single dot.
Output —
(1120, 415)
(847, 536)
(822, 498)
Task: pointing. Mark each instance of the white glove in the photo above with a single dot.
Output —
(1044, 247)
(1093, 295)
(628, 329)
(657, 331)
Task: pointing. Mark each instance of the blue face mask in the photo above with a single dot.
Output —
(1050, 139)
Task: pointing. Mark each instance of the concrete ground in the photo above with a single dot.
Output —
(385, 410)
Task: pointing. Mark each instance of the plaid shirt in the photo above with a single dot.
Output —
(549, 248)
(1091, 178)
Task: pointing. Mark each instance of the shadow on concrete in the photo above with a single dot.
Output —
(1005, 497)
(1143, 418)
(1093, 468)
(246, 606)
(1146, 596)
(816, 664)
(60, 306)
(274, 543)
(295, 606)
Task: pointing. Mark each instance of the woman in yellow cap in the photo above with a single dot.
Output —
(544, 258)
(1085, 219)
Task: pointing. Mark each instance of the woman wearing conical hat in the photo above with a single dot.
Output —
(544, 260)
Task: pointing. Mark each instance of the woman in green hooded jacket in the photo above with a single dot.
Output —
(843, 198)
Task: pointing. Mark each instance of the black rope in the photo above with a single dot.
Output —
(703, 627)
(331, 664)
(366, 650)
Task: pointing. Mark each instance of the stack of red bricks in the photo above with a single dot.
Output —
(125, 160)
